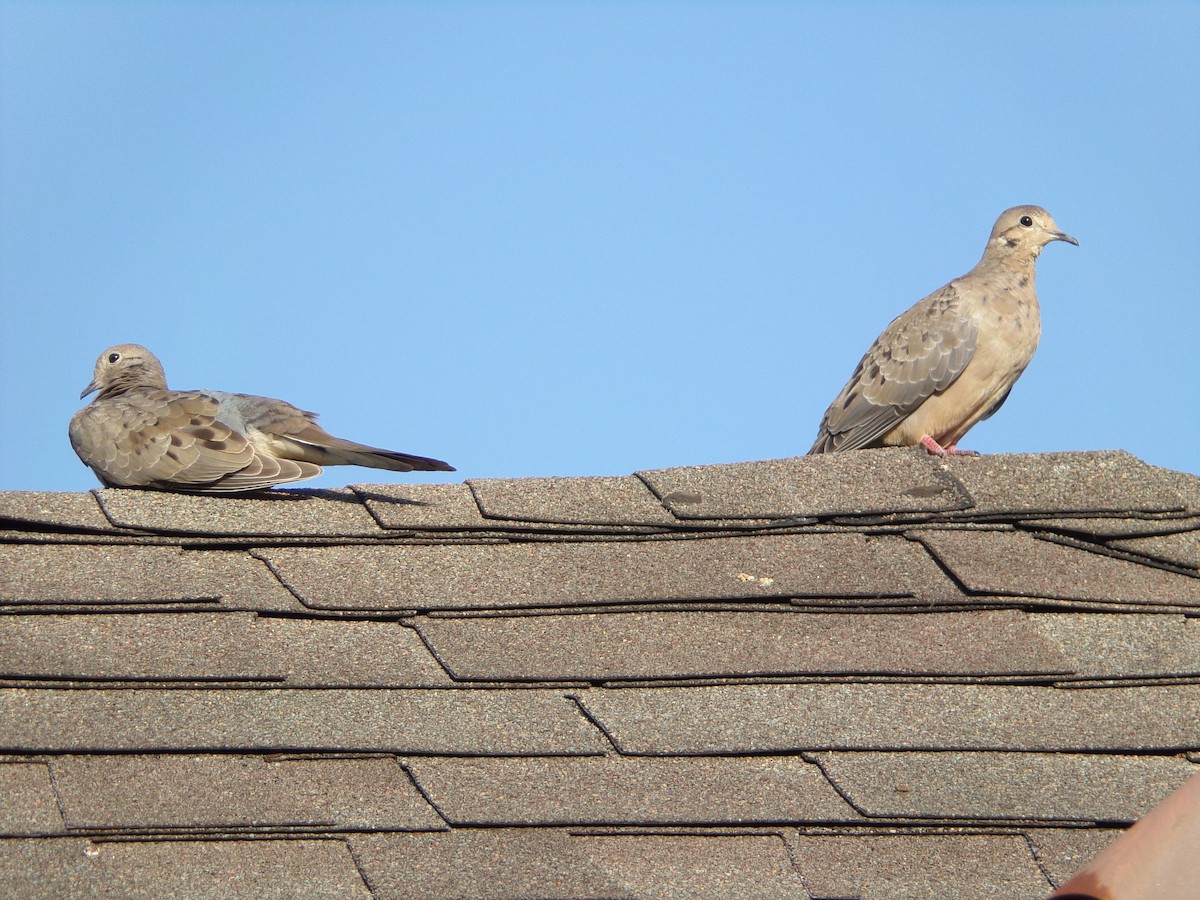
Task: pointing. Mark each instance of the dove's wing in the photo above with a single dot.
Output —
(289, 433)
(173, 440)
(919, 354)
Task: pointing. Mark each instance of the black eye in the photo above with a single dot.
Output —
(113, 357)
(1026, 221)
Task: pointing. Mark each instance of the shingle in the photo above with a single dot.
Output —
(327, 513)
(918, 867)
(897, 481)
(423, 507)
(153, 646)
(72, 575)
(765, 718)
(409, 721)
(539, 863)
(77, 512)
(1124, 645)
(1103, 527)
(215, 647)
(1177, 549)
(1016, 564)
(488, 864)
(327, 653)
(1055, 786)
(33, 869)
(1110, 481)
(37, 534)
(925, 583)
(229, 792)
(606, 647)
(623, 791)
(710, 780)
(1062, 852)
(27, 803)
(686, 866)
(567, 574)
(575, 501)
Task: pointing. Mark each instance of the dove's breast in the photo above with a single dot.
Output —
(1009, 328)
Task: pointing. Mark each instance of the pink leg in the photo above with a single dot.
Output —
(937, 449)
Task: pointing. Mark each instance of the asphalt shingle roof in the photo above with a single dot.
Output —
(873, 674)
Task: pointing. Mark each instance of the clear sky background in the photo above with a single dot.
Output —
(588, 238)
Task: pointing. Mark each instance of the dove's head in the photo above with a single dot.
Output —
(1026, 230)
(123, 367)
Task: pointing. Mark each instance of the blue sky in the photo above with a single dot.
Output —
(588, 238)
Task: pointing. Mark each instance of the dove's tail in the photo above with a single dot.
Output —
(330, 451)
(375, 458)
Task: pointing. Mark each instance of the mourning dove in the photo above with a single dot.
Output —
(138, 433)
(950, 360)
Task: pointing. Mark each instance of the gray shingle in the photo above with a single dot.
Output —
(27, 803)
(184, 720)
(968, 727)
(686, 866)
(1103, 527)
(578, 501)
(184, 869)
(324, 513)
(204, 646)
(1110, 481)
(489, 864)
(567, 574)
(423, 507)
(1061, 852)
(605, 647)
(152, 646)
(1124, 645)
(57, 510)
(623, 791)
(96, 575)
(926, 584)
(1054, 786)
(765, 718)
(919, 867)
(328, 653)
(1177, 549)
(885, 481)
(1016, 564)
(230, 792)
(533, 863)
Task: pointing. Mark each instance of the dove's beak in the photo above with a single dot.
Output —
(1063, 236)
(90, 389)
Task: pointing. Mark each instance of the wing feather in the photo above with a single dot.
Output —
(919, 354)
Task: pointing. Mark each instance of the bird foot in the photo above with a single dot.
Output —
(936, 449)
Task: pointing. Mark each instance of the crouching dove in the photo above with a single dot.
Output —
(950, 360)
(138, 433)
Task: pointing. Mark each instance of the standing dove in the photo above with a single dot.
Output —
(138, 433)
(950, 360)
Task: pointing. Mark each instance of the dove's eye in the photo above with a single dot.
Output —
(114, 357)
(1027, 221)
